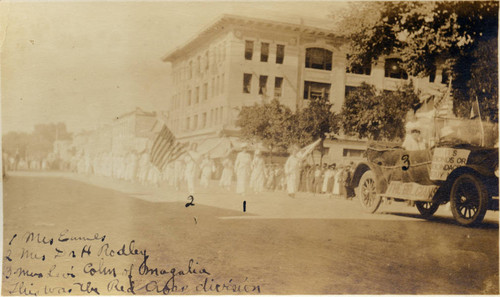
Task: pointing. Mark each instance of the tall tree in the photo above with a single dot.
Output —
(266, 123)
(277, 127)
(424, 34)
(315, 121)
(377, 115)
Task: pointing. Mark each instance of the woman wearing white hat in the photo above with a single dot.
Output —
(413, 141)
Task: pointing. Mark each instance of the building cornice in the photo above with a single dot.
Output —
(226, 20)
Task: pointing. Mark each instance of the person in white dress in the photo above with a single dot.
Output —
(258, 172)
(190, 173)
(413, 140)
(337, 184)
(227, 174)
(207, 167)
(178, 173)
(242, 168)
(293, 164)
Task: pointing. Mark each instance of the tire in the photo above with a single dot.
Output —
(468, 200)
(367, 192)
(426, 209)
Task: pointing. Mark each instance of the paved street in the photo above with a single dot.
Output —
(307, 245)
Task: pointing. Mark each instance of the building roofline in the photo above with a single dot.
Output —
(218, 24)
(137, 111)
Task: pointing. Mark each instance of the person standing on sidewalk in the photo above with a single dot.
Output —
(207, 168)
(242, 168)
(258, 173)
(227, 174)
(293, 164)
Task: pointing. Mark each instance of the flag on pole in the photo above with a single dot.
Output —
(308, 149)
(165, 148)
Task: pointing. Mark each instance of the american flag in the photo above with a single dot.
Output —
(165, 148)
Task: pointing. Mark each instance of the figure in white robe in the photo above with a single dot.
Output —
(227, 174)
(207, 166)
(258, 173)
(190, 173)
(293, 164)
(338, 182)
(242, 168)
(178, 173)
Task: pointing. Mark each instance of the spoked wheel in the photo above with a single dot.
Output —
(468, 200)
(367, 192)
(426, 209)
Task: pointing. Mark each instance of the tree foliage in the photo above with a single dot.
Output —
(277, 127)
(423, 34)
(267, 123)
(37, 144)
(377, 115)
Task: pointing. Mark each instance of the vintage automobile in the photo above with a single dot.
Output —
(464, 175)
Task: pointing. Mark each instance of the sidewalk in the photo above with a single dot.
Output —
(276, 205)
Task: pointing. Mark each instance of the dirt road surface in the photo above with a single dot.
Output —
(73, 235)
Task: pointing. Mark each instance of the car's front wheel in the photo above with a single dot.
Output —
(367, 192)
(426, 209)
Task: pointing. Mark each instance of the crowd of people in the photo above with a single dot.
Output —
(244, 173)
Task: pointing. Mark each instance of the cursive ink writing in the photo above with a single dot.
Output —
(101, 269)
(87, 288)
(105, 250)
(63, 237)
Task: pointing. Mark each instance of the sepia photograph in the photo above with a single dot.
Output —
(249, 148)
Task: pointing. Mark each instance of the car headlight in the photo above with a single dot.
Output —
(496, 170)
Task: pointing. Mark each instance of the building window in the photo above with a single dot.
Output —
(318, 58)
(353, 153)
(217, 85)
(197, 96)
(248, 49)
(222, 83)
(204, 120)
(212, 117)
(221, 114)
(198, 65)
(263, 85)
(205, 91)
(280, 53)
(356, 68)
(195, 122)
(213, 86)
(264, 51)
(189, 97)
(247, 83)
(316, 90)
(207, 62)
(190, 70)
(188, 122)
(278, 87)
(394, 70)
(349, 90)
(223, 51)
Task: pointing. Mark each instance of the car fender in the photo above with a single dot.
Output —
(486, 175)
(362, 167)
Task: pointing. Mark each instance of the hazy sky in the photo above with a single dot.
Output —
(84, 63)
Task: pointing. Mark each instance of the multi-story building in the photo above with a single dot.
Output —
(132, 130)
(238, 61)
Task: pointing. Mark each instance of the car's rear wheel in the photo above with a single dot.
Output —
(468, 199)
(367, 192)
(427, 209)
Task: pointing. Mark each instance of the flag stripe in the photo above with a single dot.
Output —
(165, 148)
